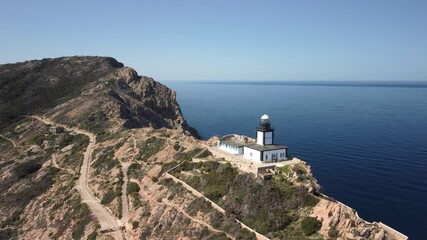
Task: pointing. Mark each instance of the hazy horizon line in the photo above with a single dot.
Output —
(321, 83)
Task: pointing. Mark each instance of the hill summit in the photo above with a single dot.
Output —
(97, 93)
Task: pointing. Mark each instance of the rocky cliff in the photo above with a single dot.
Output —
(97, 93)
(140, 133)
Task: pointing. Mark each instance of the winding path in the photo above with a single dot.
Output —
(166, 202)
(8, 139)
(55, 164)
(106, 219)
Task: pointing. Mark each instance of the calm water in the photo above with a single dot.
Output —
(367, 144)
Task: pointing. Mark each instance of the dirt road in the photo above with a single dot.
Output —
(106, 219)
(55, 164)
(8, 139)
(125, 205)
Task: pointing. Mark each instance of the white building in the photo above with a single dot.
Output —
(260, 150)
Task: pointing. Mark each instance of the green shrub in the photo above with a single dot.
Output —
(267, 206)
(84, 219)
(168, 165)
(150, 147)
(176, 146)
(65, 139)
(310, 225)
(188, 155)
(28, 167)
(132, 187)
(108, 197)
(135, 171)
(205, 154)
(21, 198)
(105, 160)
(246, 234)
(199, 205)
(135, 224)
(333, 233)
(310, 201)
(119, 207)
(92, 236)
(136, 203)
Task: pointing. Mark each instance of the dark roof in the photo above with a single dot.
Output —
(233, 143)
(265, 147)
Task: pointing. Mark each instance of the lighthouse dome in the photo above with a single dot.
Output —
(265, 117)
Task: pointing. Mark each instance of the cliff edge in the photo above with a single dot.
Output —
(96, 93)
(92, 118)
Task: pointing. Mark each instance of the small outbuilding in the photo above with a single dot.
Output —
(56, 130)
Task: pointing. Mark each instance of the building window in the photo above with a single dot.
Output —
(250, 154)
(266, 157)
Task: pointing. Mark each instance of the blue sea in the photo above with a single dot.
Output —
(366, 141)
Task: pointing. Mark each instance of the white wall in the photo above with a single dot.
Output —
(268, 155)
(228, 149)
(256, 155)
(260, 136)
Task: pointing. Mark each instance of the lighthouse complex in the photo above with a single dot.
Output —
(259, 150)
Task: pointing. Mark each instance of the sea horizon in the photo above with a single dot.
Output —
(320, 83)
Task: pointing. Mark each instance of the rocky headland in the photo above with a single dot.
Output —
(58, 114)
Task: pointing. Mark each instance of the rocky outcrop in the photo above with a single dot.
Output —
(96, 93)
(125, 111)
(299, 173)
(340, 221)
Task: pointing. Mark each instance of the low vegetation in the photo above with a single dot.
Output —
(266, 206)
(28, 167)
(84, 219)
(136, 171)
(150, 147)
(185, 156)
(199, 205)
(205, 154)
(310, 225)
(132, 187)
(18, 200)
(25, 88)
(108, 197)
(105, 160)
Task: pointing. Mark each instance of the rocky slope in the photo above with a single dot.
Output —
(140, 133)
(96, 93)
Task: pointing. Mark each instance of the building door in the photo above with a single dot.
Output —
(274, 157)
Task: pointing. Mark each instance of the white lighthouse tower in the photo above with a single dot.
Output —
(264, 132)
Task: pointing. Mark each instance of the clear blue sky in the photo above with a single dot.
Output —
(227, 39)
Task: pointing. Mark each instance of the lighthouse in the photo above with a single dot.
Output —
(262, 149)
(264, 132)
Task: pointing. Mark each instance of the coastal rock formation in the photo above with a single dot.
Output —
(339, 221)
(342, 222)
(140, 135)
(96, 93)
(300, 174)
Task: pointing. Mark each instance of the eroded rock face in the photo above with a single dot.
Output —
(145, 102)
(96, 93)
(344, 221)
(300, 174)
